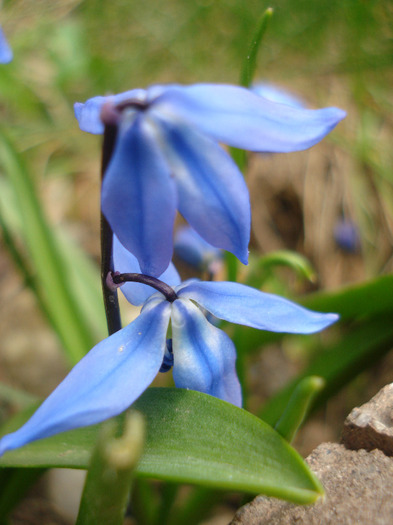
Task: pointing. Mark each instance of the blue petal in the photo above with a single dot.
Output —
(241, 304)
(213, 196)
(194, 250)
(236, 116)
(139, 197)
(104, 383)
(88, 113)
(5, 50)
(204, 356)
(125, 262)
(277, 94)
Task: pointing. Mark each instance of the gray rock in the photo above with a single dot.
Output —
(371, 425)
(358, 490)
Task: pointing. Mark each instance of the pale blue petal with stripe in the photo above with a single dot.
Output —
(277, 94)
(104, 383)
(212, 194)
(241, 304)
(238, 117)
(125, 262)
(139, 196)
(204, 356)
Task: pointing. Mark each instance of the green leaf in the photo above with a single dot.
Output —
(251, 60)
(260, 269)
(14, 483)
(84, 282)
(247, 74)
(298, 406)
(50, 273)
(356, 301)
(339, 362)
(192, 438)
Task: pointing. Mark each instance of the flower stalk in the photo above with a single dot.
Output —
(168, 292)
(111, 302)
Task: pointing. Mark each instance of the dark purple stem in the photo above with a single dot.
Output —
(111, 303)
(167, 291)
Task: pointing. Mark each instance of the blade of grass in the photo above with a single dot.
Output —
(50, 275)
(249, 66)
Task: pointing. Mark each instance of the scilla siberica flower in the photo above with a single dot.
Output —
(117, 370)
(5, 50)
(167, 157)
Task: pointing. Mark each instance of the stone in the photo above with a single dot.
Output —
(358, 490)
(371, 425)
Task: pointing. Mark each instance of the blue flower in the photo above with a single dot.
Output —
(117, 370)
(346, 235)
(167, 157)
(5, 50)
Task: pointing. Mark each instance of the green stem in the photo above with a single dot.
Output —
(298, 406)
(14, 483)
(108, 483)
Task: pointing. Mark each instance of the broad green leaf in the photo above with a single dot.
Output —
(356, 301)
(192, 438)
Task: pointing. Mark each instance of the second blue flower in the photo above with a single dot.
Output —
(167, 157)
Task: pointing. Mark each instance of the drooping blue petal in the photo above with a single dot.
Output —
(191, 248)
(241, 304)
(125, 262)
(5, 50)
(104, 383)
(212, 194)
(139, 196)
(88, 113)
(204, 356)
(237, 117)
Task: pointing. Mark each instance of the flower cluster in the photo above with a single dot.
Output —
(167, 157)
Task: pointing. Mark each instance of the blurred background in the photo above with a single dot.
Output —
(332, 204)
